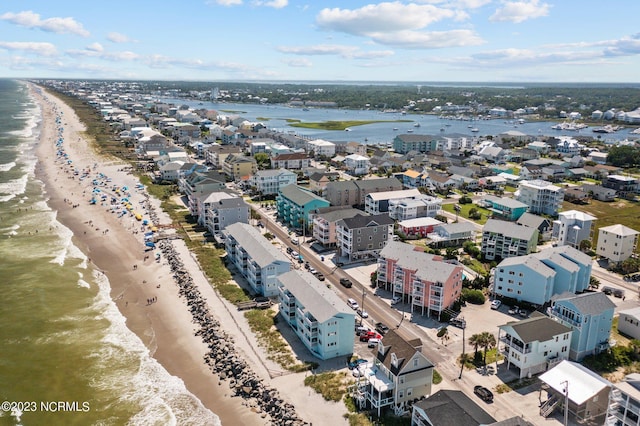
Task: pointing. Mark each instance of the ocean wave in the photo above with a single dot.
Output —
(7, 166)
(14, 187)
(69, 249)
(10, 230)
(161, 397)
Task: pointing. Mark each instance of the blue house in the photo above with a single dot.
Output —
(505, 208)
(294, 204)
(590, 316)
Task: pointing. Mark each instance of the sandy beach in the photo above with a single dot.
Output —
(144, 289)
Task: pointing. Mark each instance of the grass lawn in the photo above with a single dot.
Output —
(464, 211)
(510, 188)
(620, 211)
(341, 125)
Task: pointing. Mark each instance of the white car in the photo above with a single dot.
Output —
(495, 304)
(363, 314)
(396, 300)
(294, 240)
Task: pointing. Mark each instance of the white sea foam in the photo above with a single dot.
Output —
(10, 230)
(162, 397)
(82, 283)
(14, 187)
(7, 166)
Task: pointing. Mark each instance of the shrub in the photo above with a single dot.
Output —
(475, 297)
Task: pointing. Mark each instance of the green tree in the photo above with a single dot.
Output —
(487, 341)
(585, 245)
(263, 160)
(594, 283)
(476, 342)
(624, 155)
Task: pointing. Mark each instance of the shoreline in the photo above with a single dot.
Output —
(165, 327)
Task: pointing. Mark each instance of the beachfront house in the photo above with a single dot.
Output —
(450, 407)
(629, 323)
(255, 258)
(320, 318)
(221, 210)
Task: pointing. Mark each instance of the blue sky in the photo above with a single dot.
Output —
(326, 40)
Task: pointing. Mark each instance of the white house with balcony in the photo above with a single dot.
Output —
(541, 196)
(268, 182)
(572, 227)
(357, 164)
(322, 148)
(616, 243)
(534, 345)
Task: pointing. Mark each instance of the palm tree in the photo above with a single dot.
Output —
(488, 341)
(476, 342)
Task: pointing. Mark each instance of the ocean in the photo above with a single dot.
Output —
(67, 356)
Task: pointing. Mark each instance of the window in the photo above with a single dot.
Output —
(415, 362)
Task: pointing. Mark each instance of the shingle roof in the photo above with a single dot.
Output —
(538, 328)
(620, 230)
(258, 247)
(298, 195)
(361, 221)
(321, 302)
(531, 262)
(337, 214)
(509, 229)
(453, 408)
(404, 351)
(531, 220)
(391, 183)
(587, 303)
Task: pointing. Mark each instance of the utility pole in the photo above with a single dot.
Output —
(364, 293)
(566, 402)
(464, 326)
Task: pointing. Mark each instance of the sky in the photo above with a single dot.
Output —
(322, 40)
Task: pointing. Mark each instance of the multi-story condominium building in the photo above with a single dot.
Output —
(268, 182)
(534, 345)
(419, 227)
(504, 208)
(354, 192)
(216, 154)
(420, 143)
(357, 164)
(541, 223)
(324, 223)
(362, 237)
(616, 242)
(221, 209)
(321, 148)
(255, 258)
(293, 205)
(199, 183)
(429, 284)
(378, 202)
(399, 373)
(236, 166)
(421, 206)
(537, 277)
(625, 186)
(291, 161)
(541, 196)
(501, 239)
(452, 234)
(590, 316)
(624, 402)
(321, 319)
(572, 227)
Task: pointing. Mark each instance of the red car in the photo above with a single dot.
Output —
(369, 335)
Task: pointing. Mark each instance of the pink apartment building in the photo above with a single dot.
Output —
(429, 284)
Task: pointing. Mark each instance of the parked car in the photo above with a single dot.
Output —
(458, 322)
(363, 313)
(485, 394)
(346, 282)
(356, 363)
(395, 300)
(260, 225)
(364, 337)
(294, 253)
(353, 304)
(514, 310)
(294, 240)
(495, 304)
(289, 250)
(361, 330)
(372, 343)
(381, 328)
(320, 277)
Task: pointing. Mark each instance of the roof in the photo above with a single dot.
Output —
(587, 303)
(633, 312)
(362, 221)
(577, 215)
(509, 229)
(578, 382)
(457, 228)
(251, 240)
(532, 220)
(419, 221)
(531, 262)
(391, 182)
(386, 195)
(397, 250)
(335, 215)
(404, 351)
(291, 156)
(505, 201)
(273, 172)
(299, 196)
(618, 229)
(314, 295)
(453, 408)
(537, 328)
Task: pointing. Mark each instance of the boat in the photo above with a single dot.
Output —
(475, 129)
(395, 128)
(442, 129)
(607, 128)
(347, 129)
(416, 125)
(410, 131)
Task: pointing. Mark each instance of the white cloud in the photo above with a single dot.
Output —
(520, 11)
(96, 47)
(276, 4)
(298, 62)
(428, 40)
(40, 48)
(30, 19)
(226, 2)
(348, 52)
(115, 37)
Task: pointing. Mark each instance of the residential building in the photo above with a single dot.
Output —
(449, 407)
(255, 258)
(585, 393)
(569, 146)
(291, 161)
(321, 148)
(533, 345)
(268, 182)
(324, 223)
(541, 196)
(221, 209)
(599, 192)
(412, 208)
(624, 402)
(501, 239)
(418, 227)
(320, 318)
(629, 323)
(354, 192)
(537, 277)
(617, 243)
(362, 237)
(625, 186)
(199, 183)
(400, 373)
(504, 208)
(590, 316)
(318, 181)
(430, 284)
(237, 166)
(452, 234)
(402, 144)
(357, 164)
(378, 202)
(541, 223)
(293, 205)
(572, 227)
(216, 154)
